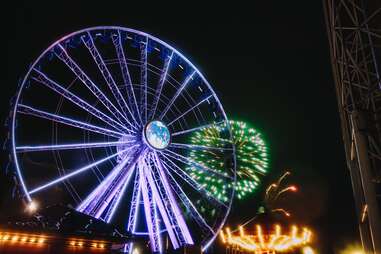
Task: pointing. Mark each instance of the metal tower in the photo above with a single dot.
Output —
(354, 33)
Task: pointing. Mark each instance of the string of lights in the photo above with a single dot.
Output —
(41, 240)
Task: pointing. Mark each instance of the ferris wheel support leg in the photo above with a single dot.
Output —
(90, 204)
(173, 204)
(101, 197)
(115, 187)
(149, 209)
(134, 209)
(188, 204)
(162, 209)
(117, 199)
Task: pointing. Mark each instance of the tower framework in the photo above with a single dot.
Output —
(354, 33)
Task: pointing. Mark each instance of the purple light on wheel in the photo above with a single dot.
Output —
(119, 104)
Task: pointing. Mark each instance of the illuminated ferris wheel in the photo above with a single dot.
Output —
(103, 121)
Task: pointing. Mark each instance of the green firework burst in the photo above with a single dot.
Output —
(251, 158)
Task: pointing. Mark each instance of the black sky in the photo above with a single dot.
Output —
(268, 62)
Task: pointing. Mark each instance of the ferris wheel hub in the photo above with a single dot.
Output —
(156, 135)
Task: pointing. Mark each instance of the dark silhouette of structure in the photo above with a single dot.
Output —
(354, 33)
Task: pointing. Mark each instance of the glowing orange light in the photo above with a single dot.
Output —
(222, 236)
(364, 212)
(228, 232)
(241, 231)
(72, 243)
(80, 243)
(278, 230)
(308, 250)
(352, 248)
(101, 245)
(32, 207)
(269, 242)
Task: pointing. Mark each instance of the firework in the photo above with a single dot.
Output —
(251, 158)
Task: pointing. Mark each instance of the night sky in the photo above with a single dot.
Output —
(269, 64)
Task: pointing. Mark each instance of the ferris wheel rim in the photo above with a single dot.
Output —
(117, 28)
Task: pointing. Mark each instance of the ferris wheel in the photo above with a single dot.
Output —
(102, 121)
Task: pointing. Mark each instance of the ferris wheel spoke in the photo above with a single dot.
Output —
(178, 92)
(189, 110)
(89, 43)
(24, 149)
(143, 78)
(188, 203)
(198, 147)
(190, 162)
(73, 66)
(117, 40)
(196, 128)
(162, 79)
(99, 199)
(74, 173)
(165, 208)
(193, 183)
(43, 79)
(24, 109)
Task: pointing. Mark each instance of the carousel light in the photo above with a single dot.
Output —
(308, 250)
(241, 231)
(223, 239)
(267, 242)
